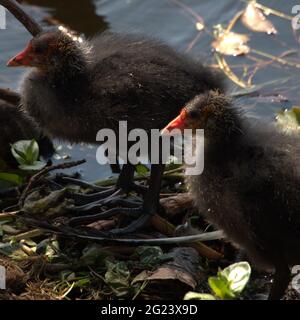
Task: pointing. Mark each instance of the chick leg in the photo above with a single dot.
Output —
(280, 281)
(87, 202)
(143, 212)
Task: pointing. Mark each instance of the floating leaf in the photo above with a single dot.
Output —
(230, 43)
(255, 20)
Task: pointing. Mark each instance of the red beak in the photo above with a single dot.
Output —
(177, 123)
(23, 59)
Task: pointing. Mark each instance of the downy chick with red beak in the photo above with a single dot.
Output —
(77, 88)
(250, 187)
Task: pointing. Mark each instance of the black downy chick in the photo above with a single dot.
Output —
(78, 87)
(250, 187)
(15, 125)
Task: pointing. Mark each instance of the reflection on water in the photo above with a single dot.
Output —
(79, 15)
(167, 20)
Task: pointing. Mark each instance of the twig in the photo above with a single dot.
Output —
(168, 229)
(277, 59)
(264, 63)
(234, 20)
(193, 42)
(189, 10)
(34, 179)
(28, 22)
(226, 69)
(8, 215)
(26, 235)
(268, 10)
(277, 13)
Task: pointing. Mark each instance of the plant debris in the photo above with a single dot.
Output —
(255, 20)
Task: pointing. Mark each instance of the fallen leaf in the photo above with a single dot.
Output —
(176, 276)
(117, 277)
(255, 20)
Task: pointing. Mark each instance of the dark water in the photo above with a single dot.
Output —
(167, 20)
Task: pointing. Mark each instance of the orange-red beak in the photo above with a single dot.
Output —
(23, 59)
(177, 123)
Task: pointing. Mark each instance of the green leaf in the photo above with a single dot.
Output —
(237, 275)
(26, 152)
(150, 257)
(11, 177)
(198, 296)
(19, 155)
(81, 283)
(231, 281)
(173, 163)
(8, 249)
(36, 166)
(220, 287)
(117, 277)
(141, 169)
(33, 151)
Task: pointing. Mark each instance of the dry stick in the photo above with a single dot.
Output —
(223, 65)
(268, 10)
(261, 53)
(45, 171)
(194, 17)
(7, 215)
(189, 10)
(234, 20)
(32, 26)
(193, 42)
(277, 59)
(226, 69)
(26, 235)
(168, 229)
(264, 63)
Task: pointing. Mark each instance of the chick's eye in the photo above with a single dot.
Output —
(194, 114)
(40, 49)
